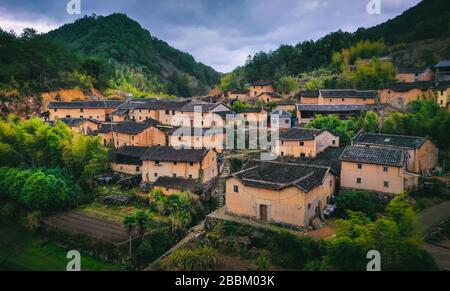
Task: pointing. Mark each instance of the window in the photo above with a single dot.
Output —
(358, 180)
(282, 154)
(81, 110)
(302, 143)
(236, 189)
(287, 121)
(174, 163)
(56, 110)
(343, 99)
(386, 184)
(282, 142)
(156, 174)
(334, 142)
(174, 175)
(302, 155)
(190, 177)
(167, 112)
(359, 166)
(138, 168)
(385, 169)
(132, 137)
(331, 183)
(191, 164)
(156, 162)
(309, 206)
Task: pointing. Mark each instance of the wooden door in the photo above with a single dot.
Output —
(263, 212)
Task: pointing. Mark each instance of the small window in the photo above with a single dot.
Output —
(343, 99)
(359, 166)
(132, 137)
(331, 183)
(302, 143)
(156, 174)
(309, 206)
(174, 163)
(56, 110)
(385, 169)
(287, 121)
(358, 180)
(386, 184)
(190, 177)
(138, 169)
(167, 112)
(156, 162)
(282, 154)
(191, 164)
(333, 142)
(302, 155)
(174, 175)
(236, 189)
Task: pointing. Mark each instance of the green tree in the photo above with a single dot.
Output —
(357, 200)
(286, 84)
(129, 223)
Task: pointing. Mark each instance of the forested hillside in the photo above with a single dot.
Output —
(430, 19)
(141, 59)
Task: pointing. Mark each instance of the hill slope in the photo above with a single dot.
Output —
(124, 42)
(428, 20)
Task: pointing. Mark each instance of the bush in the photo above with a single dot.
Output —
(201, 259)
(9, 209)
(262, 262)
(357, 200)
(32, 221)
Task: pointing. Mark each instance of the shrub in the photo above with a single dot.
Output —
(201, 259)
(32, 221)
(262, 262)
(355, 201)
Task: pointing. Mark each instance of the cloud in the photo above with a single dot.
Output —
(219, 33)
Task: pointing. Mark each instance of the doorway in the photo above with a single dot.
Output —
(263, 212)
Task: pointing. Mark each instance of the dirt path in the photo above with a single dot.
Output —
(432, 216)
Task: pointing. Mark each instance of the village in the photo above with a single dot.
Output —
(167, 147)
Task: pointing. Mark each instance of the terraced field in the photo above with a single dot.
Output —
(91, 225)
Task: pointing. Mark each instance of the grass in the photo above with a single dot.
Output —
(21, 250)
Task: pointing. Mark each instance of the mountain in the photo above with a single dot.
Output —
(129, 47)
(428, 21)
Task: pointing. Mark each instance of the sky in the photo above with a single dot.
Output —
(219, 33)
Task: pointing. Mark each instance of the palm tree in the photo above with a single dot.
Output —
(129, 223)
(141, 221)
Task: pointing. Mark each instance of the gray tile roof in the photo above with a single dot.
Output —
(71, 122)
(281, 113)
(238, 91)
(374, 155)
(192, 131)
(336, 108)
(128, 155)
(348, 93)
(402, 141)
(308, 94)
(205, 107)
(261, 83)
(276, 175)
(181, 184)
(300, 134)
(110, 104)
(170, 154)
(129, 127)
(407, 86)
(443, 64)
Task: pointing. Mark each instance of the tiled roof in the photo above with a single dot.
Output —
(170, 154)
(300, 134)
(251, 110)
(308, 94)
(286, 102)
(407, 86)
(443, 85)
(192, 131)
(336, 108)
(72, 122)
(111, 104)
(205, 107)
(443, 64)
(238, 91)
(374, 155)
(181, 184)
(128, 155)
(348, 93)
(129, 127)
(411, 142)
(409, 71)
(120, 112)
(327, 158)
(281, 113)
(276, 175)
(261, 83)
(271, 94)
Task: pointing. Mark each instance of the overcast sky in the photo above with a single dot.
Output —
(219, 33)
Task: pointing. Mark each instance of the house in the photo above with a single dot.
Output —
(307, 112)
(269, 97)
(256, 88)
(303, 142)
(127, 159)
(442, 90)
(238, 94)
(215, 92)
(201, 114)
(98, 110)
(254, 116)
(422, 152)
(282, 193)
(376, 169)
(281, 119)
(442, 71)
(170, 186)
(338, 97)
(166, 161)
(411, 75)
(162, 110)
(398, 95)
(308, 97)
(81, 125)
(287, 105)
(190, 137)
(347, 97)
(131, 133)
